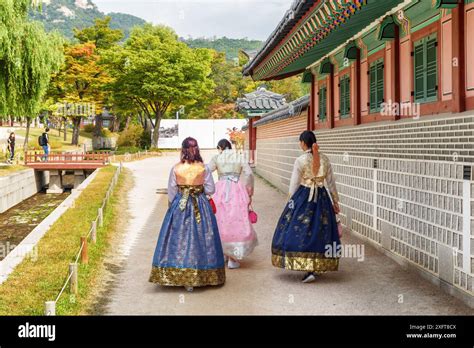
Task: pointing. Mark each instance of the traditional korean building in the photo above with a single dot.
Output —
(391, 102)
(256, 104)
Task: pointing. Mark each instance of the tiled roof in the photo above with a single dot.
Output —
(289, 110)
(260, 100)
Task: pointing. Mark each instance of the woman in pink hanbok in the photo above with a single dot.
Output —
(232, 198)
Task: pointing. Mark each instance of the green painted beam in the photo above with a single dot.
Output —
(357, 22)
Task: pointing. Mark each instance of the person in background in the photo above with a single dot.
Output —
(45, 144)
(11, 147)
(233, 196)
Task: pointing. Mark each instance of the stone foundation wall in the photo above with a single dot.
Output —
(408, 187)
(17, 187)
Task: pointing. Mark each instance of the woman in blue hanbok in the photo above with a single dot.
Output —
(306, 237)
(189, 251)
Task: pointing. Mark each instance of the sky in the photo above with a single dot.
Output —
(253, 19)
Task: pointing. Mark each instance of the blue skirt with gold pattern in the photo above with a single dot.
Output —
(189, 250)
(306, 237)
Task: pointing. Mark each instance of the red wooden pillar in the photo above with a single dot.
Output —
(356, 94)
(396, 70)
(458, 64)
(312, 107)
(252, 138)
(331, 106)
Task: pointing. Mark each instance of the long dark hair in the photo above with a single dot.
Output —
(224, 144)
(309, 139)
(12, 134)
(190, 151)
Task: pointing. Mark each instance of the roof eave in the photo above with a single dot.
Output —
(287, 23)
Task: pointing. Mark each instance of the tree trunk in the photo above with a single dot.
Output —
(75, 132)
(127, 123)
(143, 120)
(156, 129)
(98, 126)
(25, 144)
(65, 128)
(116, 125)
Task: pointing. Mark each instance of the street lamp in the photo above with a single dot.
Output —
(179, 112)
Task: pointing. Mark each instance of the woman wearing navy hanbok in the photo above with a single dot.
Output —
(306, 237)
(189, 251)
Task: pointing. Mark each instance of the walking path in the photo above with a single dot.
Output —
(376, 285)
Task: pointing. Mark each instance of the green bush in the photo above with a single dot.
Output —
(105, 132)
(89, 128)
(126, 149)
(131, 137)
(145, 140)
(53, 144)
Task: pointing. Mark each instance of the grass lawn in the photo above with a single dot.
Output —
(9, 169)
(40, 279)
(57, 141)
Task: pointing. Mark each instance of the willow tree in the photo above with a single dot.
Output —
(28, 57)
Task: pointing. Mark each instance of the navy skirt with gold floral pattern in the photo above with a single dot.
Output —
(306, 237)
(189, 250)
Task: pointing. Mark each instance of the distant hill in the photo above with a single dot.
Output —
(65, 15)
(231, 47)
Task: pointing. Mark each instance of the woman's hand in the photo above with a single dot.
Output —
(337, 210)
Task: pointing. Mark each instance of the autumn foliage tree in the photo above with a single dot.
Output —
(80, 84)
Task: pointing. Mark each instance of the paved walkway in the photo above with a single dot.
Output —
(374, 286)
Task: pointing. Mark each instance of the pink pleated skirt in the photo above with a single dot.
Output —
(237, 234)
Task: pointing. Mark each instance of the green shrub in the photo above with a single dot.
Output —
(130, 137)
(126, 149)
(89, 128)
(145, 140)
(105, 132)
(53, 144)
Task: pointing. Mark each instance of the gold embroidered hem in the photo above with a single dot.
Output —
(187, 276)
(309, 262)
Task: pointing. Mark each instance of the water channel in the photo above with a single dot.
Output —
(17, 222)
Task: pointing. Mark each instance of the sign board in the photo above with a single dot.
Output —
(206, 132)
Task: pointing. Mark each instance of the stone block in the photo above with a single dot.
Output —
(446, 263)
(386, 234)
(55, 182)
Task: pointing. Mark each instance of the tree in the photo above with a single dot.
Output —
(292, 88)
(29, 56)
(155, 70)
(104, 38)
(100, 34)
(79, 84)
